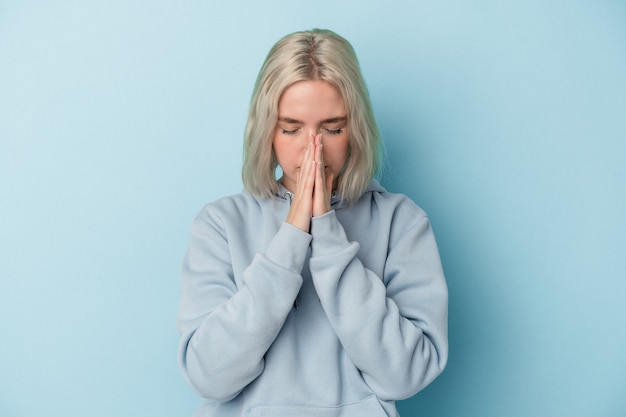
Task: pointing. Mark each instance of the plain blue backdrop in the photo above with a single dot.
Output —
(504, 120)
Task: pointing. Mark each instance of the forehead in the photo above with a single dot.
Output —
(310, 100)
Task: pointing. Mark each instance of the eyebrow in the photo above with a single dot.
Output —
(295, 121)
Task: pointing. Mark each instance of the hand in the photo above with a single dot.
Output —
(323, 182)
(302, 202)
(312, 195)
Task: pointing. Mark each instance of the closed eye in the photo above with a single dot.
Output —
(333, 131)
(289, 132)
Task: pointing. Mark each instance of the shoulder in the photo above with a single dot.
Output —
(397, 205)
(229, 208)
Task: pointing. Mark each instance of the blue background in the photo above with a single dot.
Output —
(505, 121)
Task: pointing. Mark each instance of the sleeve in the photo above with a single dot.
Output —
(394, 328)
(226, 329)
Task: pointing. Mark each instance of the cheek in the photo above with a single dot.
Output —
(286, 152)
(336, 153)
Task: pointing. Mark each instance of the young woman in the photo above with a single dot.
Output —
(317, 294)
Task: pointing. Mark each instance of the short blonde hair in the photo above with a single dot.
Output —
(311, 55)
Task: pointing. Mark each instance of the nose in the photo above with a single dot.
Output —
(313, 133)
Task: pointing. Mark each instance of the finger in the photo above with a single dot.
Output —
(309, 164)
(303, 180)
(318, 144)
(321, 195)
(319, 159)
(319, 156)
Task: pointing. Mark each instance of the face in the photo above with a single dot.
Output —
(306, 109)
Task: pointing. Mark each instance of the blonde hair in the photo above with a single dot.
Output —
(311, 55)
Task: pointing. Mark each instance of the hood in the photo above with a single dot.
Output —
(335, 198)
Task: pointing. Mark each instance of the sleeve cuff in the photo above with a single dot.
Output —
(328, 234)
(289, 247)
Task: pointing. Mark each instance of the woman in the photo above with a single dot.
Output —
(317, 294)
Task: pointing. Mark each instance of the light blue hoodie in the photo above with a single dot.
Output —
(340, 322)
